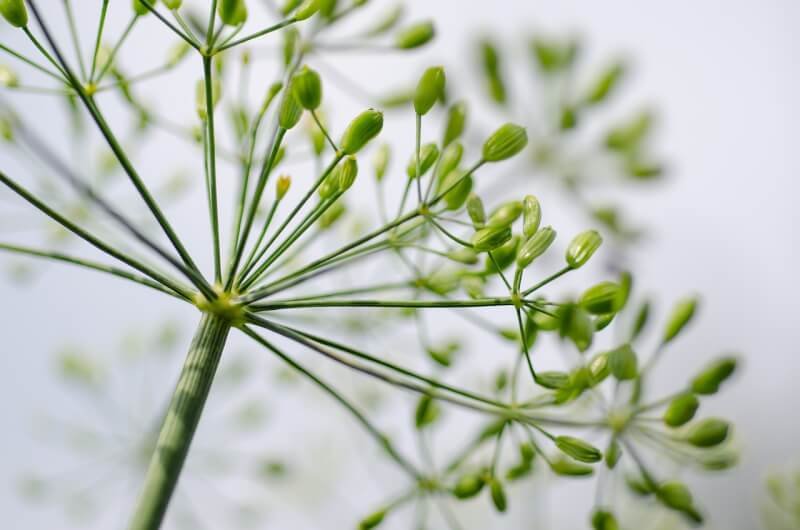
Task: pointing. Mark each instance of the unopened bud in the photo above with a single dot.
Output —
(680, 316)
(15, 12)
(490, 238)
(498, 495)
(475, 211)
(428, 154)
(461, 187)
(346, 173)
(553, 380)
(306, 10)
(569, 468)
(605, 83)
(506, 142)
(429, 89)
(232, 12)
(582, 247)
(451, 157)
(708, 432)
(535, 246)
(372, 521)
(531, 215)
(468, 486)
(307, 88)
(415, 35)
(506, 214)
(282, 186)
(604, 520)
(361, 130)
(138, 8)
(623, 363)
(681, 410)
(708, 381)
(456, 120)
(603, 298)
(578, 449)
(173, 4)
(290, 111)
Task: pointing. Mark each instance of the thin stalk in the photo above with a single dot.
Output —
(31, 62)
(257, 34)
(211, 172)
(73, 33)
(180, 422)
(292, 304)
(99, 38)
(115, 49)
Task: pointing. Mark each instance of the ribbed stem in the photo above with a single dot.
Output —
(180, 422)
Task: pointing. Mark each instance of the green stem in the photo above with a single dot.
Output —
(99, 38)
(180, 422)
(292, 304)
(73, 33)
(211, 172)
(257, 34)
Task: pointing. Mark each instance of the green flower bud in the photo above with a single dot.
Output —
(605, 83)
(491, 68)
(468, 486)
(506, 142)
(307, 88)
(535, 246)
(498, 495)
(232, 12)
(327, 7)
(361, 130)
(613, 453)
(553, 380)
(568, 468)
(490, 238)
(331, 215)
(415, 35)
(623, 363)
(456, 120)
(306, 10)
(681, 410)
(290, 111)
(707, 382)
(346, 173)
(463, 255)
(426, 413)
(372, 521)
(578, 449)
(708, 432)
(138, 7)
(681, 314)
(173, 4)
(568, 119)
(582, 247)
(8, 77)
(638, 486)
(429, 89)
(380, 162)
(15, 12)
(442, 282)
(475, 211)
(428, 154)
(628, 136)
(506, 214)
(604, 520)
(462, 186)
(503, 256)
(552, 56)
(282, 186)
(603, 298)
(675, 495)
(531, 215)
(451, 157)
(641, 319)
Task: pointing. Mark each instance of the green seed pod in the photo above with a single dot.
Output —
(463, 255)
(506, 142)
(272, 91)
(681, 410)
(491, 69)
(568, 118)
(380, 162)
(642, 316)
(232, 12)
(506, 214)
(490, 238)
(468, 486)
(415, 35)
(428, 154)
(475, 211)
(628, 136)
(578, 449)
(613, 453)
(553, 380)
(531, 215)
(461, 185)
(638, 486)
(708, 432)
(603, 298)
(681, 315)
(569, 468)
(138, 8)
(8, 77)
(327, 8)
(707, 382)
(604, 84)
(582, 247)
(290, 111)
(288, 6)
(372, 521)
(307, 88)
(604, 520)
(456, 121)
(451, 157)
(535, 246)
(361, 130)
(429, 89)
(426, 413)
(473, 286)
(599, 368)
(282, 186)
(173, 4)
(503, 256)
(331, 215)
(15, 12)
(498, 495)
(306, 10)
(675, 495)
(346, 173)
(623, 363)
(329, 186)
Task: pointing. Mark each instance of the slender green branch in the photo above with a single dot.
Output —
(256, 35)
(211, 173)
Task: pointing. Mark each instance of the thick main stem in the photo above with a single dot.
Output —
(180, 422)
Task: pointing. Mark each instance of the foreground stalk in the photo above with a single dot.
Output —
(180, 422)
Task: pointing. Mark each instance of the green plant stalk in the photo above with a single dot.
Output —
(180, 422)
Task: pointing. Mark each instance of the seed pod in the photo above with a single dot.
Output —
(282, 186)
(623, 363)
(380, 162)
(641, 319)
(306, 10)
(531, 215)
(604, 520)
(451, 157)
(506, 214)
(569, 468)
(346, 173)
(604, 84)
(603, 298)
(535, 246)
(456, 120)
(429, 89)
(681, 410)
(461, 186)
(707, 382)
(272, 91)
(139, 8)
(504, 143)
(553, 380)
(426, 412)
(288, 6)
(327, 7)
(708, 432)
(576, 324)
(613, 453)
(681, 314)
(599, 368)
(173, 4)
(503, 256)
(468, 486)
(463, 255)
(578, 449)
(498, 495)
(428, 154)
(582, 247)
(361, 130)
(475, 211)
(290, 111)
(15, 12)
(491, 69)
(8, 77)
(232, 12)
(638, 486)
(372, 521)
(675, 495)
(415, 35)
(490, 238)
(307, 88)
(628, 136)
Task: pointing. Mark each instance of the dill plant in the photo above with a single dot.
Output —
(447, 252)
